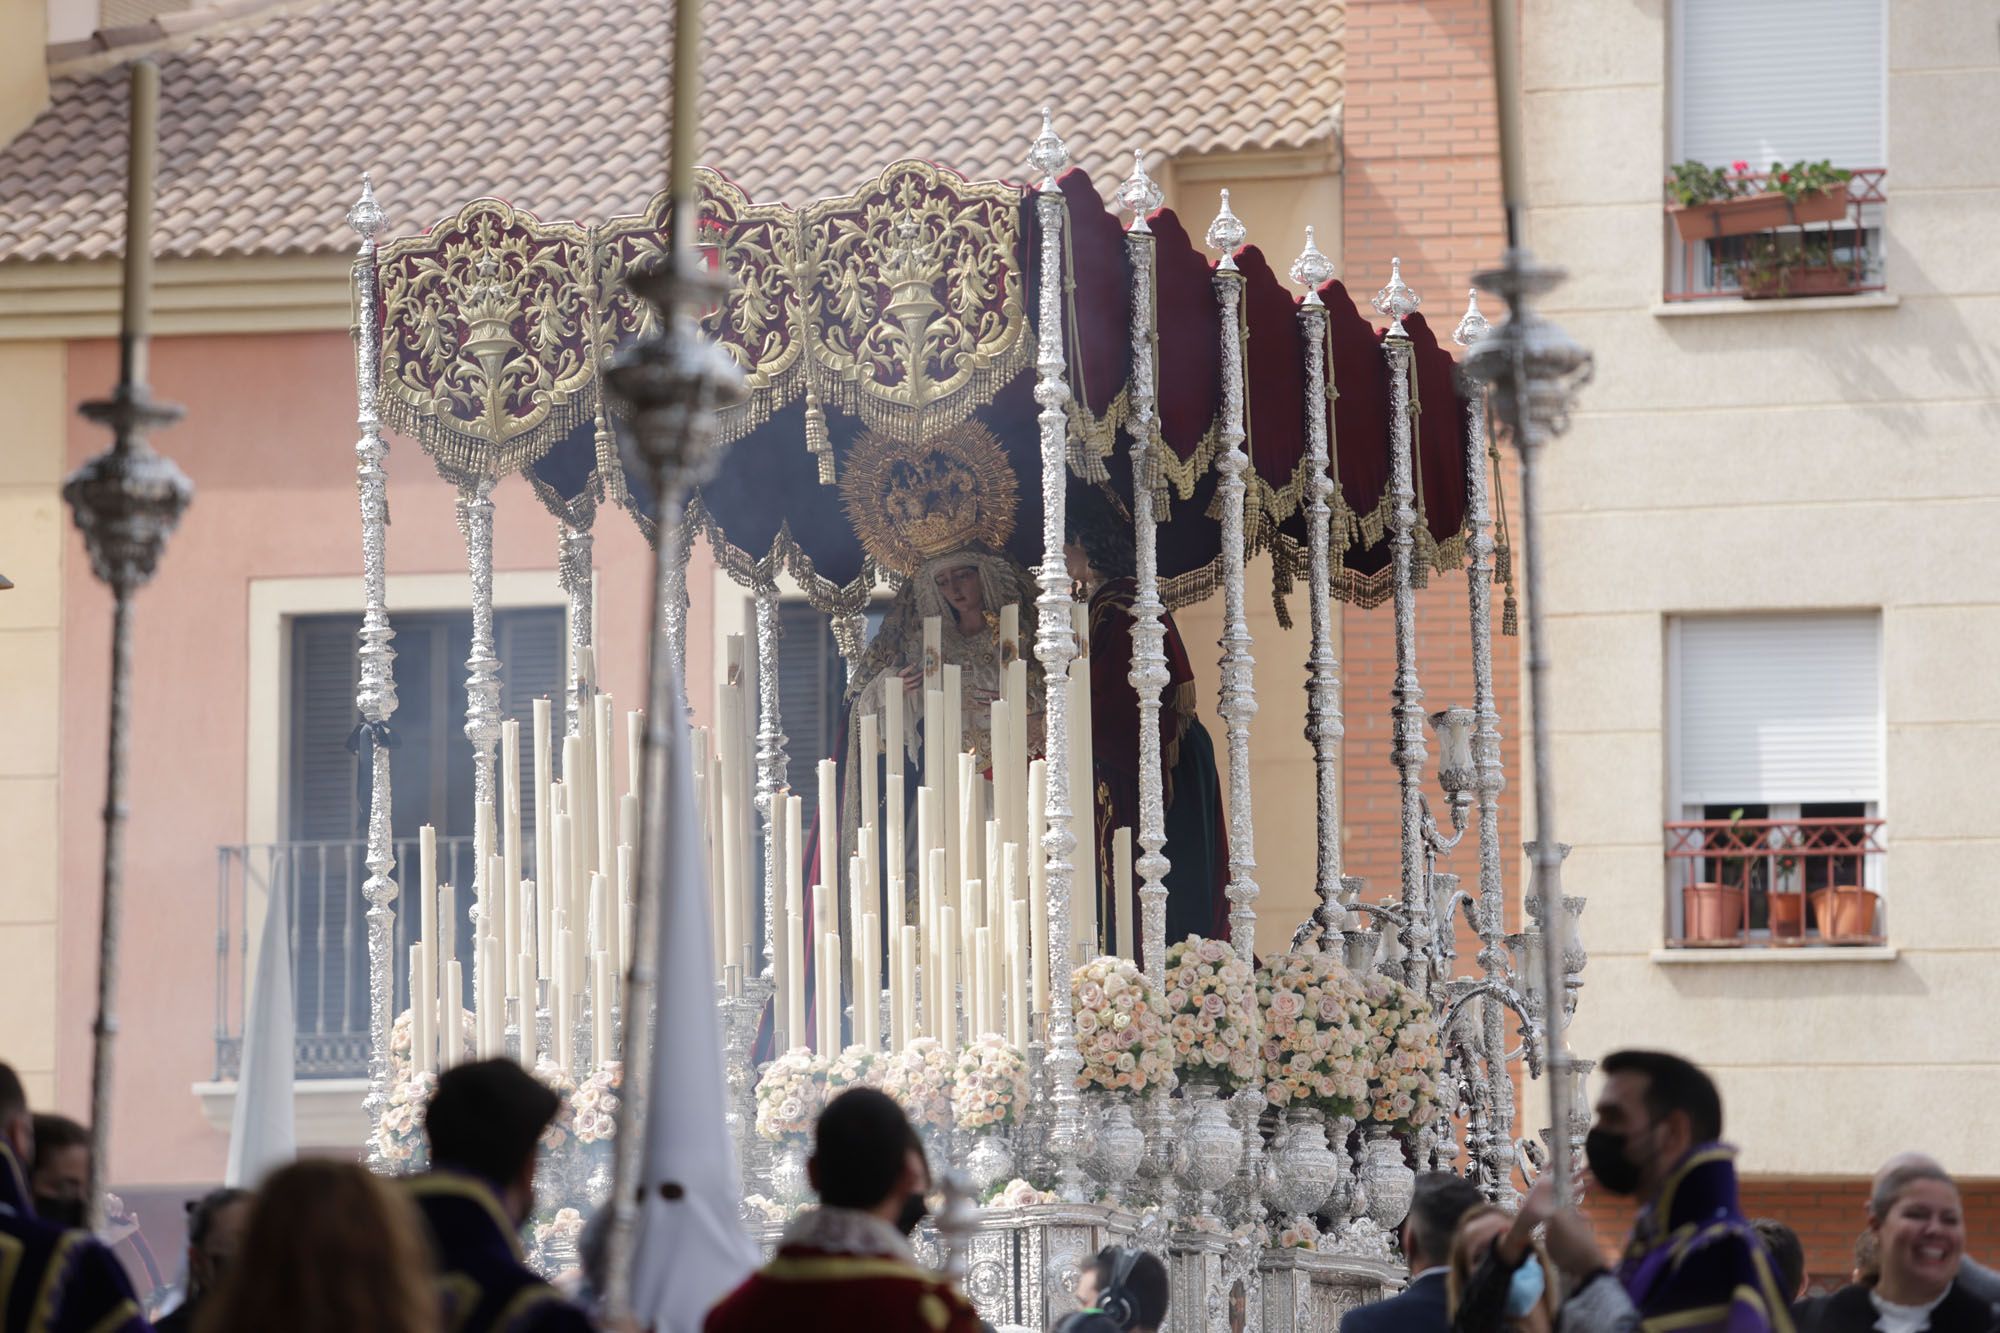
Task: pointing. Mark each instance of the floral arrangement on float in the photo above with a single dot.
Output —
(855, 1067)
(919, 1077)
(1212, 1007)
(399, 1133)
(594, 1105)
(989, 1093)
(561, 1130)
(1018, 1193)
(1121, 1027)
(1317, 1054)
(790, 1095)
(1406, 1064)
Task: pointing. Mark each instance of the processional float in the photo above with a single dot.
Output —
(896, 334)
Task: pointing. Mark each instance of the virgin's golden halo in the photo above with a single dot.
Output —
(912, 501)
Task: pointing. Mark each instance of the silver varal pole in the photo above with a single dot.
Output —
(1535, 369)
(375, 695)
(1055, 645)
(1324, 728)
(1140, 194)
(126, 502)
(1395, 301)
(1238, 703)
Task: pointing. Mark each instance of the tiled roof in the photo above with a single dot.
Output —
(267, 122)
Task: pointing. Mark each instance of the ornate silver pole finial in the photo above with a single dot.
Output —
(1139, 194)
(1472, 326)
(1226, 234)
(1312, 269)
(1396, 300)
(126, 502)
(375, 693)
(1048, 155)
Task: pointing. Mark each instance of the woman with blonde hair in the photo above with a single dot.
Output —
(1918, 1224)
(328, 1248)
(1498, 1281)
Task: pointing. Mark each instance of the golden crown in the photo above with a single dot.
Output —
(912, 501)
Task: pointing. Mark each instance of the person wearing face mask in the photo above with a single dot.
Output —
(1693, 1262)
(62, 1168)
(847, 1265)
(1499, 1276)
(215, 1235)
(52, 1276)
(1918, 1223)
(485, 1122)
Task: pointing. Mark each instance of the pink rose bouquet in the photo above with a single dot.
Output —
(1315, 1046)
(790, 1095)
(1408, 1058)
(1212, 1011)
(1121, 1027)
(919, 1078)
(992, 1084)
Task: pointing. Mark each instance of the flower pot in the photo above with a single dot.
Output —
(1788, 917)
(1713, 914)
(1798, 280)
(1845, 914)
(1754, 213)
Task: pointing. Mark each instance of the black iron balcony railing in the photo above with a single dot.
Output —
(329, 943)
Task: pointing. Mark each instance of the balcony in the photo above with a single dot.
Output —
(1774, 883)
(1757, 247)
(329, 942)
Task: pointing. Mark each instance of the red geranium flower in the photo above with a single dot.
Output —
(1784, 178)
(1739, 166)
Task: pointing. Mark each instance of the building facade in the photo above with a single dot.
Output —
(1770, 575)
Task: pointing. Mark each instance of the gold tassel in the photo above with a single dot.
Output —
(1510, 616)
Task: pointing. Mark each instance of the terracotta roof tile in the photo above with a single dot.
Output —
(269, 121)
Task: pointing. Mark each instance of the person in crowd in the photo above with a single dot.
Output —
(1438, 1203)
(1099, 551)
(51, 1276)
(1693, 1262)
(1974, 1276)
(1788, 1256)
(485, 1122)
(1919, 1227)
(846, 1264)
(1499, 1277)
(327, 1248)
(61, 1177)
(1122, 1289)
(215, 1237)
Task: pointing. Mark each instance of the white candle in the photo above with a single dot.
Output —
(778, 852)
(1010, 632)
(705, 798)
(892, 720)
(953, 792)
(967, 835)
(601, 937)
(628, 820)
(870, 746)
(928, 920)
(544, 814)
(948, 980)
(635, 750)
(1038, 880)
(564, 1024)
(423, 1009)
(1121, 871)
(486, 1020)
(906, 986)
(482, 852)
(893, 851)
(606, 807)
(1017, 986)
(795, 978)
(525, 971)
(625, 909)
(581, 782)
(871, 883)
(600, 1009)
(510, 846)
(427, 885)
(829, 831)
(562, 860)
(857, 940)
(935, 749)
(1017, 749)
(828, 999)
(868, 1000)
(1003, 768)
(733, 876)
(447, 937)
(452, 1047)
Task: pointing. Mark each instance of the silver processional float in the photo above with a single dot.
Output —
(909, 395)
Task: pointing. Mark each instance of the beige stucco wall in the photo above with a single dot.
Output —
(1776, 459)
(24, 78)
(34, 534)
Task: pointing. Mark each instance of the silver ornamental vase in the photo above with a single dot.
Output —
(1307, 1170)
(1119, 1150)
(1213, 1146)
(1390, 1182)
(991, 1161)
(788, 1173)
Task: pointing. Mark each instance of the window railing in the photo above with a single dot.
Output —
(1774, 882)
(329, 943)
(1785, 254)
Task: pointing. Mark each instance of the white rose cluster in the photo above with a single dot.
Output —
(1315, 1042)
(919, 1077)
(790, 1095)
(992, 1084)
(1407, 1058)
(1212, 1011)
(1121, 1027)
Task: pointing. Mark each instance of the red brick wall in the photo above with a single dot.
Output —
(1827, 1213)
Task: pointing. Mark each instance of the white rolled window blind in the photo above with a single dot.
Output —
(1766, 81)
(1779, 709)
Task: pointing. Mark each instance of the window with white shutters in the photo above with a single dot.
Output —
(1768, 81)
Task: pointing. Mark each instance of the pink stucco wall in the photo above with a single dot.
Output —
(268, 441)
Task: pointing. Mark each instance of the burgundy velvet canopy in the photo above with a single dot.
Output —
(964, 256)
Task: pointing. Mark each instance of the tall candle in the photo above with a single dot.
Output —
(928, 920)
(857, 939)
(948, 978)
(892, 721)
(705, 804)
(447, 937)
(510, 844)
(635, 750)
(829, 830)
(982, 982)
(581, 784)
(870, 747)
(1003, 768)
(1010, 632)
(868, 1000)
(935, 749)
(1038, 880)
(906, 985)
(427, 885)
(487, 1019)
(828, 1000)
(628, 820)
(524, 969)
(952, 791)
(795, 979)
(1017, 748)
(733, 875)
(606, 805)
(564, 1018)
(483, 878)
(561, 859)
(423, 1009)
(1121, 879)
(893, 851)
(871, 879)
(1017, 987)
(600, 913)
(452, 1047)
(600, 1009)
(544, 812)
(967, 835)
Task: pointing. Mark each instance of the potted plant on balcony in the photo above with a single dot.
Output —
(1845, 914)
(1712, 910)
(1790, 266)
(1787, 904)
(1711, 202)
